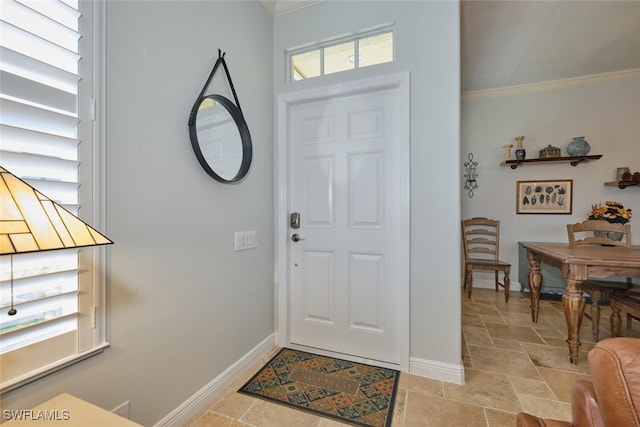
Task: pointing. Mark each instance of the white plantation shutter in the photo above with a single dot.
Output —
(42, 121)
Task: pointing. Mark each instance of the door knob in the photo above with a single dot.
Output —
(296, 238)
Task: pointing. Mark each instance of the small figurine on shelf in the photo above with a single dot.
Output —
(620, 173)
(520, 152)
(507, 151)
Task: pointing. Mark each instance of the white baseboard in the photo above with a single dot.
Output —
(437, 370)
(199, 401)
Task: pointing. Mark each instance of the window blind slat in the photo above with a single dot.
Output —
(30, 265)
(33, 92)
(22, 65)
(36, 333)
(27, 288)
(65, 12)
(20, 40)
(40, 167)
(29, 117)
(37, 307)
(20, 15)
(26, 141)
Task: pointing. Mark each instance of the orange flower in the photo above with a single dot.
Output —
(612, 211)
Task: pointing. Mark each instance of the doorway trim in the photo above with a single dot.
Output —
(397, 81)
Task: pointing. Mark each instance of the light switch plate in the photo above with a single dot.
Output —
(245, 240)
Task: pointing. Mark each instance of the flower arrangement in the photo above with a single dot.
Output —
(612, 212)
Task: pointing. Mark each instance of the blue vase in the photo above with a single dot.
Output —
(578, 147)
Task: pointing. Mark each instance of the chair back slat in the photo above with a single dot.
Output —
(480, 238)
(589, 233)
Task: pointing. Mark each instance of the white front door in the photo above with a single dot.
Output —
(348, 178)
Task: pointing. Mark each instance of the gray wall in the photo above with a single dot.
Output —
(604, 111)
(182, 305)
(427, 45)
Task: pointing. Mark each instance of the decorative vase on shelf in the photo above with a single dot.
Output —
(578, 147)
(613, 235)
(521, 153)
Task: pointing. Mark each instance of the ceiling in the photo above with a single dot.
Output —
(513, 42)
(506, 43)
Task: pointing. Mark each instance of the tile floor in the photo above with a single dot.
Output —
(511, 365)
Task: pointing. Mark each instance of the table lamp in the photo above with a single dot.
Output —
(31, 222)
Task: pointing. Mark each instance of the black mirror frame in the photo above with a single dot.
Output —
(241, 124)
(236, 113)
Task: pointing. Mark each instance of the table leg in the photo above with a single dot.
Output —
(535, 283)
(573, 302)
(616, 320)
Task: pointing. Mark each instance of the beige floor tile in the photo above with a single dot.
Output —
(484, 389)
(535, 388)
(514, 333)
(545, 356)
(499, 418)
(414, 383)
(546, 408)
(548, 332)
(480, 309)
(211, 419)
(477, 336)
(490, 318)
(560, 382)
(399, 408)
(232, 404)
(501, 361)
(326, 422)
(472, 320)
(507, 344)
(265, 414)
(423, 411)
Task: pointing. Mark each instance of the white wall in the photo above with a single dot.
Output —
(427, 45)
(182, 305)
(606, 113)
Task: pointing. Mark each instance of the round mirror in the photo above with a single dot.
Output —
(220, 138)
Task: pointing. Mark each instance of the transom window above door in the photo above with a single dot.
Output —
(343, 54)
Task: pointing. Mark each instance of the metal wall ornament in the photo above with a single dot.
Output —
(471, 181)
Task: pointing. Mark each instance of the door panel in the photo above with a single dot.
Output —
(318, 192)
(346, 182)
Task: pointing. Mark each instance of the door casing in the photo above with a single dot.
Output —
(399, 82)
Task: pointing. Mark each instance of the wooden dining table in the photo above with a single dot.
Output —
(576, 264)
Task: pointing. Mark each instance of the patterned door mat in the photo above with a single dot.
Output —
(350, 392)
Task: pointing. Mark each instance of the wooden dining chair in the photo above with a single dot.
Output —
(590, 233)
(628, 303)
(481, 244)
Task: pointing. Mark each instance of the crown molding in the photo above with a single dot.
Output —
(594, 79)
(280, 7)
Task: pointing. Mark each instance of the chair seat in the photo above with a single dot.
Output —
(489, 263)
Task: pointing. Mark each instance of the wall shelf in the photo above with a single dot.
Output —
(574, 160)
(621, 184)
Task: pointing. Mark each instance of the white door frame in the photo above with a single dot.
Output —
(400, 82)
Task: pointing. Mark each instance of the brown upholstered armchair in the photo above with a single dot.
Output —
(612, 398)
